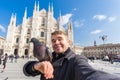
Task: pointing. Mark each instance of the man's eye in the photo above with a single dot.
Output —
(59, 39)
(53, 41)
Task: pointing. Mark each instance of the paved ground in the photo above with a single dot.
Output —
(106, 66)
(14, 70)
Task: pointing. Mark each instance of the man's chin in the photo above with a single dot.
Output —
(57, 51)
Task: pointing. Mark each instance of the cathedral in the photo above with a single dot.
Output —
(40, 25)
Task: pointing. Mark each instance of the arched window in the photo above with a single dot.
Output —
(27, 40)
(17, 40)
(42, 34)
(28, 32)
(43, 22)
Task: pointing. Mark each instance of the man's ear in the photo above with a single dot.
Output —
(69, 41)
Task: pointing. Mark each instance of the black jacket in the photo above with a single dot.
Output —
(71, 67)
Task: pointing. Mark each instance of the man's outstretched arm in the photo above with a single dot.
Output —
(33, 68)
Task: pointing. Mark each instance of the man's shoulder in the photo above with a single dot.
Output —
(76, 57)
(80, 58)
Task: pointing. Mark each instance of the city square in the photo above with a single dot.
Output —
(14, 71)
(92, 30)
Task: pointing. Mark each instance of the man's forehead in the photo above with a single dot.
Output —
(58, 35)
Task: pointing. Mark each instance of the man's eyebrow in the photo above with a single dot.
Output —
(53, 40)
(57, 37)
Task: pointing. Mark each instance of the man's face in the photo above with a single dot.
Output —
(60, 43)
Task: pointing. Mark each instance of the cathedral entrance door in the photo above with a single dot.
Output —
(16, 52)
(26, 53)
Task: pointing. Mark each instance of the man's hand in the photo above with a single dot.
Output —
(46, 68)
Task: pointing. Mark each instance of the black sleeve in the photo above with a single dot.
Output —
(28, 69)
(83, 71)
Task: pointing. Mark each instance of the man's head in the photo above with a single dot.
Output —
(60, 41)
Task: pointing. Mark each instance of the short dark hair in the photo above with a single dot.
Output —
(59, 32)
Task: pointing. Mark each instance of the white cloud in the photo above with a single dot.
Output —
(111, 19)
(103, 17)
(2, 28)
(66, 18)
(96, 32)
(78, 23)
(99, 17)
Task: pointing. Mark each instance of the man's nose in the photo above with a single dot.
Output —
(56, 42)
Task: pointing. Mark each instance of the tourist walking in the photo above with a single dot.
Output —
(4, 61)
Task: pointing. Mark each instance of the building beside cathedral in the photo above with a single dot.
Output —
(40, 26)
(2, 39)
(100, 51)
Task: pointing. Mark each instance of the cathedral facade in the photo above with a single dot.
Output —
(40, 25)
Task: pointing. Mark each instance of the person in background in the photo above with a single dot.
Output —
(0, 59)
(4, 61)
(65, 65)
(11, 58)
(16, 57)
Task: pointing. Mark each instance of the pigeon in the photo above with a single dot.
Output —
(40, 51)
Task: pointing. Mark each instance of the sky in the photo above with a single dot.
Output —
(91, 19)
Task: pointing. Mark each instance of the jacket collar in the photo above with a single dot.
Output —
(67, 56)
(70, 55)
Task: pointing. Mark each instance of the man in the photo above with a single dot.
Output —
(66, 65)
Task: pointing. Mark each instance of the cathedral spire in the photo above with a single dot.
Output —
(13, 20)
(49, 8)
(52, 8)
(25, 13)
(70, 25)
(60, 21)
(94, 42)
(38, 6)
(25, 16)
(70, 33)
(35, 8)
(60, 18)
